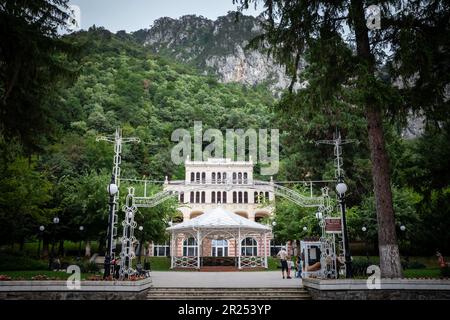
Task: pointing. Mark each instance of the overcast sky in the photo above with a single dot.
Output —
(132, 15)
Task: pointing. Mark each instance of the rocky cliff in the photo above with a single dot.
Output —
(216, 47)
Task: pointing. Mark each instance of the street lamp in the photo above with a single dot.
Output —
(52, 252)
(364, 229)
(403, 229)
(112, 190)
(41, 235)
(318, 215)
(141, 243)
(81, 239)
(305, 228)
(341, 189)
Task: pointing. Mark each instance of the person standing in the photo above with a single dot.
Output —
(283, 255)
(298, 267)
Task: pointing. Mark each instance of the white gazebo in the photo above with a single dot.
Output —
(189, 238)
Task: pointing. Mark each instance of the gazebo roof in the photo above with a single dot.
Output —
(218, 218)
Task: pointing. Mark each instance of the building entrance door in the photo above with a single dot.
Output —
(219, 248)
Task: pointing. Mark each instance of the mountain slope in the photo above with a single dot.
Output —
(216, 47)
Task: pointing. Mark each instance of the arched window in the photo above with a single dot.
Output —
(224, 177)
(240, 196)
(249, 247)
(240, 178)
(246, 197)
(234, 177)
(203, 177)
(203, 196)
(234, 197)
(224, 197)
(213, 197)
(198, 177)
(255, 200)
(182, 197)
(219, 177)
(192, 197)
(266, 198)
(190, 247)
(213, 177)
(192, 177)
(245, 178)
(197, 197)
(219, 197)
(219, 248)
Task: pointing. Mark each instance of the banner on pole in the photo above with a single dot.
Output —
(333, 225)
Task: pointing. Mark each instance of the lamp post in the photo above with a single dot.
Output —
(341, 188)
(112, 190)
(81, 239)
(52, 252)
(40, 236)
(141, 228)
(403, 230)
(364, 230)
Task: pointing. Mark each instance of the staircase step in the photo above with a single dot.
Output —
(228, 294)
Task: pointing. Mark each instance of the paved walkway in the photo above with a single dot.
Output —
(264, 279)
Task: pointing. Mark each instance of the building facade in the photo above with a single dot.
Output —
(225, 184)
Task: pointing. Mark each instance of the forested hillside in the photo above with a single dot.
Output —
(119, 83)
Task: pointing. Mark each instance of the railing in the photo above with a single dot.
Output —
(294, 196)
(253, 262)
(185, 262)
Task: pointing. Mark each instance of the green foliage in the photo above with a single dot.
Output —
(35, 62)
(445, 272)
(88, 267)
(25, 195)
(405, 203)
(18, 262)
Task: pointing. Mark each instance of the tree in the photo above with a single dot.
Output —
(34, 61)
(294, 27)
(25, 195)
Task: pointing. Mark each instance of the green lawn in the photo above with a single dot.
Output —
(422, 273)
(54, 275)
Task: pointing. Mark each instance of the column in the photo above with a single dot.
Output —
(265, 250)
(198, 248)
(239, 252)
(172, 250)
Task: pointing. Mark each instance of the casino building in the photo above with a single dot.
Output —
(224, 217)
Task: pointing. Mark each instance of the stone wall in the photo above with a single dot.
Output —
(379, 294)
(88, 290)
(73, 295)
(390, 289)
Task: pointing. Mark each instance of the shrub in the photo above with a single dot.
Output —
(445, 272)
(88, 267)
(416, 265)
(360, 265)
(20, 263)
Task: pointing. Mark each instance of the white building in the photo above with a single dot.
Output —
(226, 188)
(225, 182)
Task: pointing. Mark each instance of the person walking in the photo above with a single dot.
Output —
(283, 255)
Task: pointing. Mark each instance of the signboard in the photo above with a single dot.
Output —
(333, 225)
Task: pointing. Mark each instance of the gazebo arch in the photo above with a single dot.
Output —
(226, 225)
